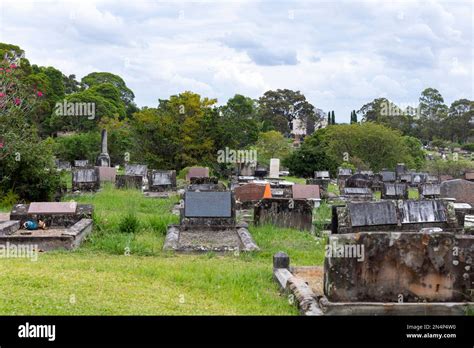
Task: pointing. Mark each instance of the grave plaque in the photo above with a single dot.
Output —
(52, 208)
(371, 214)
(357, 191)
(136, 169)
(305, 191)
(249, 192)
(208, 204)
(344, 172)
(423, 211)
(430, 190)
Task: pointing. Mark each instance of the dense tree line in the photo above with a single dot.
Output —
(188, 129)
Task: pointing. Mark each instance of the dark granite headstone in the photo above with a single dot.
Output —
(85, 179)
(388, 176)
(371, 214)
(208, 204)
(282, 212)
(129, 182)
(414, 212)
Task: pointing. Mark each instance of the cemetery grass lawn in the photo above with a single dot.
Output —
(100, 279)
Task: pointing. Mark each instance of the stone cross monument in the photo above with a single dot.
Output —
(103, 160)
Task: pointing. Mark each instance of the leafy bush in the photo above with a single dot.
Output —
(78, 146)
(468, 147)
(129, 223)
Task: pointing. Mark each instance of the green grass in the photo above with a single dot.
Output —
(119, 273)
(294, 179)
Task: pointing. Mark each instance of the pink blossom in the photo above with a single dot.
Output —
(13, 66)
(40, 94)
(17, 101)
(2, 94)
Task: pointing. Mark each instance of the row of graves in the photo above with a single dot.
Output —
(45, 226)
(393, 256)
(209, 211)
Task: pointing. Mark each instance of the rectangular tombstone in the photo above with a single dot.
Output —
(136, 169)
(406, 178)
(247, 168)
(432, 179)
(418, 178)
(274, 168)
(81, 163)
(394, 191)
(372, 214)
(52, 208)
(430, 190)
(322, 183)
(249, 192)
(208, 204)
(161, 180)
(306, 191)
(461, 190)
(129, 182)
(107, 174)
(323, 174)
(398, 267)
(62, 214)
(286, 213)
(388, 176)
(344, 172)
(64, 165)
(197, 172)
(85, 179)
(415, 212)
(349, 191)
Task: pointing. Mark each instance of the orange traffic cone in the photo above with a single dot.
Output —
(268, 192)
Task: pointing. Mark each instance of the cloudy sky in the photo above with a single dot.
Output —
(339, 54)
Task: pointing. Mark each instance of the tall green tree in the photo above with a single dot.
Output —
(277, 110)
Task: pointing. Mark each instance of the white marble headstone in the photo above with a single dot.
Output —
(274, 168)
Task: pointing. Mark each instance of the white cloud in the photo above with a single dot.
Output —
(341, 54)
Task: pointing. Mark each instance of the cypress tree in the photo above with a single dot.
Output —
(333, 118)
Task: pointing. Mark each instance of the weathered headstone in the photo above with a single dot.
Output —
(274, 168)
(129, 182)
(430, 190)
(288, 213)
(342, 175)
(358, 193)
(358, 180)
(63, 165)
(249, 193)
(136, 169)
(400, 169)
(398, 267)
(197, 172)
(161, 180)
(388, 176)
(370, 214)
(423, 211)
(107, 174)
(85, 179)
(103, 160)
(461, 190)
(394, 191)
(81, 163)
(323, 174)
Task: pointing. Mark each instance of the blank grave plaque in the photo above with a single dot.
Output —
(423, 211)
(372, 214)
(52, 208)
(136, 169)
(208, 204)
